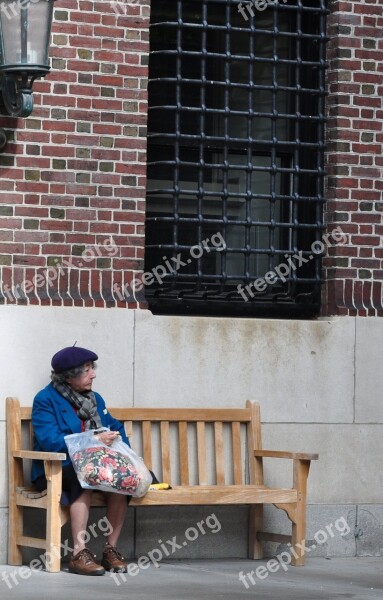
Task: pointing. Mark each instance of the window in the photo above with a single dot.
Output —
(235, 157)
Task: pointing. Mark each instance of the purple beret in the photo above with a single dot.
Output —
(71, 357)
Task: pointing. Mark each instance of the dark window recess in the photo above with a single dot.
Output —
(235, 157)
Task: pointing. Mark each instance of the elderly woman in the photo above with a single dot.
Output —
(68, 405)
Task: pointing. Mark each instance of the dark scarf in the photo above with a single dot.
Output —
(86, 404)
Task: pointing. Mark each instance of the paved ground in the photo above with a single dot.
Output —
(320, 579)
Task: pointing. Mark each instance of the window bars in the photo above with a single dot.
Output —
(235, 156)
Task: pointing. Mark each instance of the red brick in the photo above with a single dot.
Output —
(365, 263)
(10, 223)
(366, 229)
(365, 252)
(367, 240)
(31, 211)
(56, 225)
(367, 148)
(366, 183)
(368, 195)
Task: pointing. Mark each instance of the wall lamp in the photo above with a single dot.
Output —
(25, 30)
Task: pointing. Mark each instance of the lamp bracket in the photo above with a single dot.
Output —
(16, 89)
(16, 95)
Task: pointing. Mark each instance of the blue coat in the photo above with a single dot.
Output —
(53, 417)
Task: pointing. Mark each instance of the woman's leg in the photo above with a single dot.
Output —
(112, 560)
(79, 515)
(82, 561)
(116, 512)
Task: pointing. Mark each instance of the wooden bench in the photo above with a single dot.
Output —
(227, 469)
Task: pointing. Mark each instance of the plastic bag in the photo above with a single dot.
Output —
(115, 468)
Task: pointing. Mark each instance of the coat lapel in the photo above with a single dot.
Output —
(65, 411)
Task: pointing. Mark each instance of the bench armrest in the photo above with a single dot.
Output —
(282, 454)
(39, 455)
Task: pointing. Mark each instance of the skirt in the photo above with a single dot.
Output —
(71, 488)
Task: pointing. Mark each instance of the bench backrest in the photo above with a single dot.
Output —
(183, 446)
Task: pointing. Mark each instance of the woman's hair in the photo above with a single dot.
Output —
(65, 375)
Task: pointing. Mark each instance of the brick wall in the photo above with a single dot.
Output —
(72, 178)
(354, 272)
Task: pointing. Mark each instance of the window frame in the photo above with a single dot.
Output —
(185, 293)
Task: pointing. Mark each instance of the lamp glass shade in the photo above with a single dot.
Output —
(25, 28)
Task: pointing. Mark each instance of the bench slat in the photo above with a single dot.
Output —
(184, 452)
(201, 452)
(30, 492)
(128, 427)
(30, 435)
(21, 500)
(218, 444)
(214, 494)
(168, 414)
(208, 494)
(237, 453)
(280, 538)
(166, 469)
(254, 442)
(147, 443)
(31, 542)
(182, 414)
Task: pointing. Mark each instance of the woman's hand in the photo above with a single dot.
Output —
(108, 437)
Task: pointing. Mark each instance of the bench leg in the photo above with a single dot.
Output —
(301, 471)
(53, 517)
(15, 512)
(255, 525)
(15, 530)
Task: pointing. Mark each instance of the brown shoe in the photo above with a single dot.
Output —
(83, 564)
(113, 561)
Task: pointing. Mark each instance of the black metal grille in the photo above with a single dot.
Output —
(235, 156)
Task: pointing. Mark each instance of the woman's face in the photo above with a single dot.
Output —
(83, 382)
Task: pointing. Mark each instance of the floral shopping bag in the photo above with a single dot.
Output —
(115, 468)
